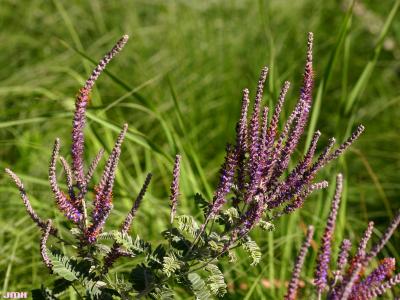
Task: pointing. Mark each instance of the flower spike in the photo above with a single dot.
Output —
(43, 248)
(64, 203)
(126, 225)
(42, 224)
(321, 272)
(294, 282)
(81, 103)
(175, 187)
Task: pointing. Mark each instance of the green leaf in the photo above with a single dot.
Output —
(155, 259)
(136, 247)
(170, 264)
(253, 249)
(141, 278)
(62, 266)
(177, 239)
(93, 288)
(102, 249)
(216, 281)
(188, 224)
(163, 293)
(267, 226)
(61, 285)
(231, 215)
(198, 287)
(202, 203)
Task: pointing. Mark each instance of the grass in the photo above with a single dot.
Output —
(178, 84)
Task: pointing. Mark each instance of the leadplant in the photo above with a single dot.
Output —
(352, 277)
(256, 187)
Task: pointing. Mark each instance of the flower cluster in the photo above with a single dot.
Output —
(349, 280)
(72, 203)
(253, 169)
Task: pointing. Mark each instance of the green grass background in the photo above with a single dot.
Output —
(178, 84)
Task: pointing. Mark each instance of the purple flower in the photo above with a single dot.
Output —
(227, 173)
(291, 293)
(126, 225)
(241, 138)
(342, 259)
(64, 203)
(374, 279)
(321, 272)
(381, 289)
(81, 103)
(103, 193)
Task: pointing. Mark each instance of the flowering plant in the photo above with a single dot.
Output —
(255, 188)
(348, 280)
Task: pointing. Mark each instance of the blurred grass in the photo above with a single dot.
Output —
(178, 84)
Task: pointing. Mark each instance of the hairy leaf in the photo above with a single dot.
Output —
(170, 264)
(216, 281)
(253, 249)
(188, 224)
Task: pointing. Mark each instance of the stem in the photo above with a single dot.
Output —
(201, 231)
(84, 221)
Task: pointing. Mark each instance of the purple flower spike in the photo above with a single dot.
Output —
(103, 193)
(381, 289)
(264, 132)
(227, 173)
(255, 117)
(241, 140)
(64, 203)
(81, 103)
(254, 139)
(321, 272)
(302, 111)
(69, 180)
(242, 124)
(175, 187)
(272, 129)
(359, 261)
(116, 250)
(364, 241)
(103, 198)
(354, 136)
(386, 236)
(43, 249)
(77, 136)
(93, 165)
(376, 277)
(126, 225)
(342, 259)
(294, 282)
(105, 61)
(299, 200)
